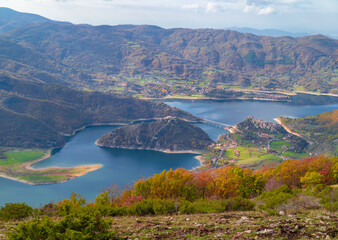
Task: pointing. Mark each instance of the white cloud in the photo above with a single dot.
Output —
(191, 6)
(292, 15)
(220, 6)
(212, 7)
(266, 10)
(248, 9)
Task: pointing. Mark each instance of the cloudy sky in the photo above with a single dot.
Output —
(311, 16)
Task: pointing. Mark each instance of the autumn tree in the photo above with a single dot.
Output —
(233, 181)
(205, 183)
(172, 184)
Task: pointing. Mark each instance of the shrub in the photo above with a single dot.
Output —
(329, 200)
(300, 202)
(217, 206)
(15, 211)
(66, 206)
(164, 206)
(50, 209)
(240, 204)
(186, 207)
(276, 197)
(142, 208)
(70, 227)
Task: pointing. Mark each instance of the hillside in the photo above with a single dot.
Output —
(10, 19)
(156, 62)
(171, 134)
(40, 115)
(320, 130)
(253, 143)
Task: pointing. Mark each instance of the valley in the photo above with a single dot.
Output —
(123, 166)
(63, 86)
(200, 131)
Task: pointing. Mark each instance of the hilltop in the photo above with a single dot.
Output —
(154, 62)
(10, 19)
(169, 135)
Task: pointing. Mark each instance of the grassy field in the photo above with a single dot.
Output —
(294, 155)
(250, 156)
(14, 157)
(277, 145)
(15, 165)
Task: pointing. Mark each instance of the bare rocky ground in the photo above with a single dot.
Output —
(228, 225)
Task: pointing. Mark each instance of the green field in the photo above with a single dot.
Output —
(294, 155)
(250, 156)
(43, 178)
(277, 145)
(14, 164)
(14, 157)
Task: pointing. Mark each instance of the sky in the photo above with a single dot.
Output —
(309, 16)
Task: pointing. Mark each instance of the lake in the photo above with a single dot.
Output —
(121, 166)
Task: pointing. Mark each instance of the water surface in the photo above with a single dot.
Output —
(121, 166)
(232, 112)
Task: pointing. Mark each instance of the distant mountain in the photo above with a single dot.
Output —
(114, 54)
(41, 115)
(268, 32)
(10, 19)
(171, 134)
(155, 62)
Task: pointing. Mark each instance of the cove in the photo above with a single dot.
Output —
(121, 166)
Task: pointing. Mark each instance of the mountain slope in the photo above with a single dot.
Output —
(320, 130)
(28, 64)
(140, 55)
(54, 111)
(10, 19)
(172, 134)
(18, 130)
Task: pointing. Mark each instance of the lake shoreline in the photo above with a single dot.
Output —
(117, 124)
(289, 130)
(202, 97)
(199, 156)
(151, 149)
(81, 170)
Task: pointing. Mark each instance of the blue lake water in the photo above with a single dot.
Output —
(121, 166)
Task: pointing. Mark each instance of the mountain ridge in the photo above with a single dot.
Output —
(146, 59)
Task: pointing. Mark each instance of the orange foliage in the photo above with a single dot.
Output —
(167, 185)
(205, 183)
(231, 181)
(291, 171)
